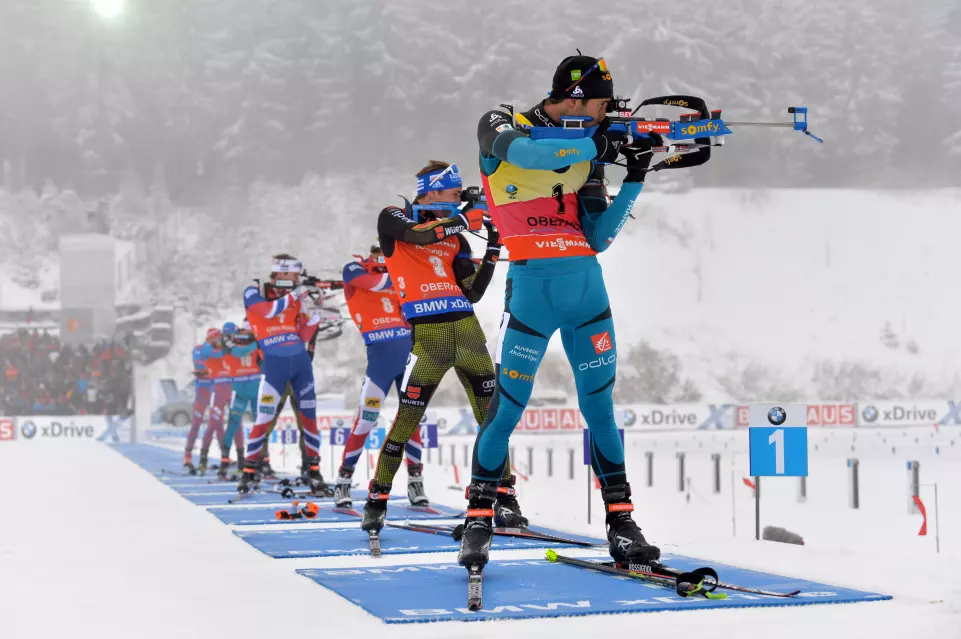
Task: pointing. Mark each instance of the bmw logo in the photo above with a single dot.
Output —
(776, 416)
(870, 413)
(29, 429)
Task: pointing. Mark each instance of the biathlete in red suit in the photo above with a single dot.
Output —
(374, 306)
(283, 329)
(207, 366)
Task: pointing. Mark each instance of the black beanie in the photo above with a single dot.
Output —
(574, 78)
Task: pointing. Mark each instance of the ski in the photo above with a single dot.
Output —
(475, 587)
(531, 534)
(674, 572)
(164, 471)
(243, 496)
(424, 509)
(433, 530)
(458, 531)
(220, 480)
(348, 511)
(289, 493)
(686, 584)
(283, 481)
(374, 540)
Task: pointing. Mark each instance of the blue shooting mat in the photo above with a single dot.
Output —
(265, 515)
(209, 483)
(167, 465)
(339, 542)
(526, 589)
(176, 479)
(198, 480)
(209, 486)
(205, 488)
(153, 459)
(266, 496)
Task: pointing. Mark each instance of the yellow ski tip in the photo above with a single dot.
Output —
(551, 555)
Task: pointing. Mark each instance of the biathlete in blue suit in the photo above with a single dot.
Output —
(245, 375)
(548, 199)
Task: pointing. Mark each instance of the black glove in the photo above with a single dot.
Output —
(607, 142)
(638, 156)
(493, 236)
(493, 242)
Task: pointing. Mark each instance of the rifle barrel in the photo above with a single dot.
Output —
(789, 125)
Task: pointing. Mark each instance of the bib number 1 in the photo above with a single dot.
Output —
(558, 193)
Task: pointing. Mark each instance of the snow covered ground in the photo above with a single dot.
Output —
(91, 545)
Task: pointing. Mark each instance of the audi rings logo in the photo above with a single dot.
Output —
(870, 414)
(29, 429)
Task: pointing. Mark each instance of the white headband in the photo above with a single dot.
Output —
(287, 266)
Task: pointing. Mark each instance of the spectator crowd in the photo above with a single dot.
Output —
(39, 375)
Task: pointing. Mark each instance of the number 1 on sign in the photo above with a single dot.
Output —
(777, 438)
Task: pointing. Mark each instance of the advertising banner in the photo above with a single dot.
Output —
(109, 428)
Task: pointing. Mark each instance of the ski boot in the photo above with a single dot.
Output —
(507, 512)
(188, 466)
(265, 469)
(304, 478)
(627, 543)
(475, 544)
(375, 510)
(224, 465)
(202, 468)
(315, 481)
(415, 485)
(249, 480)
(342, 498)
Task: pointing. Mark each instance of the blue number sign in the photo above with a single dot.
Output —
(428, 435)
(338, 436)
(375, 439)
(778, 438)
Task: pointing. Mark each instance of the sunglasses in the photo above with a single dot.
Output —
(600, 64)
(452, 169)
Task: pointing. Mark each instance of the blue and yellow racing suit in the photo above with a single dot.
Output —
(548, 200)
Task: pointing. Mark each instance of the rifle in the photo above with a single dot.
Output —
(322, 284)
(704, 127)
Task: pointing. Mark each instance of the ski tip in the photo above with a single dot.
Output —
(551, 555)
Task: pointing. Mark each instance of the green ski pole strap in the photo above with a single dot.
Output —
(701, 581)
